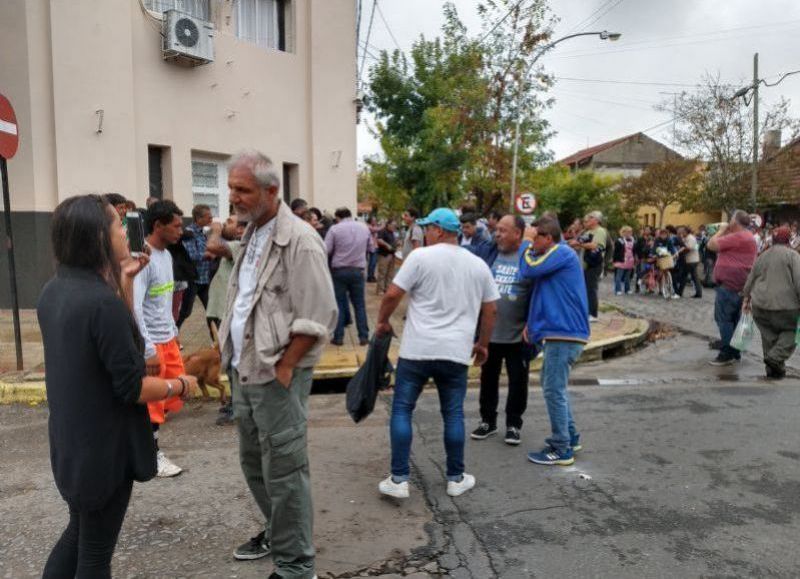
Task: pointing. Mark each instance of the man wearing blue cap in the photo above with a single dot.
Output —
(448, 288)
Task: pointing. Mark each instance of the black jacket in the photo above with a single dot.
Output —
(183, 268)
(99, 435)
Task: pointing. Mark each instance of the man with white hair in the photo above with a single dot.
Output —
(280, 312)
(592, 244)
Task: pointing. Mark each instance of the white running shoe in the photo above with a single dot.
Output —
(392, 489)
(166, 468)
(455, 489)
(593, 320)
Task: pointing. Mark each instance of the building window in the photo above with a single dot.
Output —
(196, 8)
(291, 178)
(155, 169)
(263, 22)
(210, 185)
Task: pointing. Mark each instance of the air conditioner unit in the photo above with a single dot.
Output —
(187, 40)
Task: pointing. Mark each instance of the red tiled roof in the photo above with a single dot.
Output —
(592, 151)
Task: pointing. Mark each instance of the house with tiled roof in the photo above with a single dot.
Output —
(779, 179)
(627, 156)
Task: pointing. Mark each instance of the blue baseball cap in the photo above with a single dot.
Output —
(444, 218)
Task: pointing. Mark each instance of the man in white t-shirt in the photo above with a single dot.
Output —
(448, 288)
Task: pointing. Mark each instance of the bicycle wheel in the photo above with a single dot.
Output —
(666, 285)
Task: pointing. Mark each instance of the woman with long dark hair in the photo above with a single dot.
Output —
(100, 435)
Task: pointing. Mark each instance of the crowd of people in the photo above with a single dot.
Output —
(277, 282)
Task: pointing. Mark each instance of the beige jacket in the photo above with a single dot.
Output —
(294, 295)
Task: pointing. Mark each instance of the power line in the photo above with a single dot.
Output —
(386, 24)
(610, 102)
(503, 19)
(358, 26)
(560, 90)
(632, 82)
(599, 16)
(367, 51)
(366, 42)
(580, 25)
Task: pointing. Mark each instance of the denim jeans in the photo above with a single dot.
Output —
(372, 263)
(349, 282)
(451, 382)
(622, 277)
(727, 310)
(558, 360)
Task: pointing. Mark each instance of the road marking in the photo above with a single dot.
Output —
(6, 127)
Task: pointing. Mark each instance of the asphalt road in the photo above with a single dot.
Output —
(687, 471)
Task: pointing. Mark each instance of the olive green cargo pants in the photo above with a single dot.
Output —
(273, 452)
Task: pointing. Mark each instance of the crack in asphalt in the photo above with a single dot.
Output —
(440, 519)
(532, 509)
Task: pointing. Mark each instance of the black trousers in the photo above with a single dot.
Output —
(689, 270)
(194, 290)
(517, 358)
(592, 277)
(85, 548)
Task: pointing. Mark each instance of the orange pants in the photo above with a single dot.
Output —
(169, 355)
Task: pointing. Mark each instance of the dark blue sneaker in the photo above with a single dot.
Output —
(575, 443)
(550, 456)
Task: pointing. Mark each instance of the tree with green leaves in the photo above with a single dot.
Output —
(445, 114)
(572, 195)
(670, 182)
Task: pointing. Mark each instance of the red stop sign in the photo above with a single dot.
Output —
(9, 135)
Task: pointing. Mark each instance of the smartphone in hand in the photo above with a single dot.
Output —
(134, 222)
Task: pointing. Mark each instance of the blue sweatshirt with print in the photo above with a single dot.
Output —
(559, 307)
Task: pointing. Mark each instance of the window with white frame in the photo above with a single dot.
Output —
(210, 184)
(196, 8)
(262, 22)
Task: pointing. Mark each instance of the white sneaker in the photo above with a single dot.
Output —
(392, 489)
(618, 293)
(592, 320)
(166, 468)
(676, 297)
(455, 489)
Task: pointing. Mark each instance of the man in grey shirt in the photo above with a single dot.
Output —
(503, 255)
(414, 236)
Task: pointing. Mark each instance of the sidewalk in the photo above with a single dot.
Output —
(692, 316)
(614, 332)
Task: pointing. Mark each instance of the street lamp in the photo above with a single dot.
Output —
(604, 35)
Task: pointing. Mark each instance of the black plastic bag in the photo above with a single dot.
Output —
(374, 375)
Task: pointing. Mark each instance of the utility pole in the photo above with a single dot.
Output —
(754, 179)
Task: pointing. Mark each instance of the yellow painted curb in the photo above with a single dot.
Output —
(34, 393)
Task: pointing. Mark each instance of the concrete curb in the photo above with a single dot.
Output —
(33, 392)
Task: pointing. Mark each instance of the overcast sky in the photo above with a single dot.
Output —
(670, 44)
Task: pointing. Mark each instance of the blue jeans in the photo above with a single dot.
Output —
(622, 277)
(349, 281)
(372, 263)
(558, 360)
(451, 382)
(727, 310)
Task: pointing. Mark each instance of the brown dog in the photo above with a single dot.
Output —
(205, 365)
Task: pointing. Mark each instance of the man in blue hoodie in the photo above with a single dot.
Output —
(558, 317)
